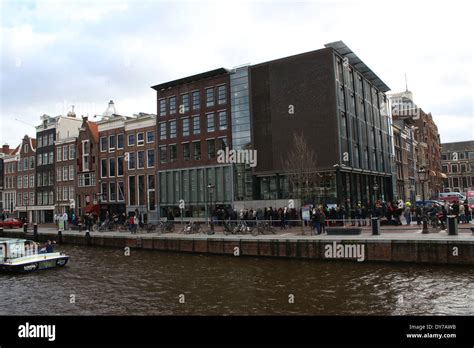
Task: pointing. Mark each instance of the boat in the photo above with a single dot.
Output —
(21, 255)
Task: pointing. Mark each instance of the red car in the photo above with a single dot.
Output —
(11, 223)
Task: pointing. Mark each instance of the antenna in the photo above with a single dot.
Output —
(406, 83)
(29, 124)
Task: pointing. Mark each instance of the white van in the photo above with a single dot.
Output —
(458, 195)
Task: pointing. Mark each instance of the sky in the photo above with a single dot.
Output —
(55, 54)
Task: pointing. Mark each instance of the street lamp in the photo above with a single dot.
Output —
(376, 187)
(423, 177)
(210, 190)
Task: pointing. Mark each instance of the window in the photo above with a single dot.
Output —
(59, 153)
(131, 139)
(222, 120)
(32, 180)
(185, 127)
(112, 192)
(71, 192)
(173, 152)
(45, 158)
(172, 101)
(184, 107)
(131, 160)
(65, 192)
(150, 156)
(222, 98)
(51, 157)
(25, 163)
(71, 172)
(40, 142)
(210, 97)
(65, 173)
(454, 169)
(20, 199)
(120, 166)
(111, 167)
(172, 129)
(163, 156)
(471, 155)
(103, 168)
(444, 168)
(103, 144)
(72, 152)
(141, 190)
(103, 192)
(120, 190)
(211, 148)
(51, 139)
(140, 139)
(162, 103)
(112, 141)
(197, 150)
(25, 181)
(141, 159)
(131, 191)
(120, 141)
(210, 123)
(150, 137)
(444, 157)
(196, 101)
(196, 125)
(40, 162)
(85, 155)
(463, 168)
(65, 153)
(186, 152)
(163, 131)
(20, 182)
(59, 175)
(222, 143)
(151, 193)
(45, 179)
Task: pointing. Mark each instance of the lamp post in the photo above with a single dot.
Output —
(376, 187)
(210, 190)
(423, 177)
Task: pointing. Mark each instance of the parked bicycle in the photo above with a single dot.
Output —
(263, 227)
(165, 227)
(192, 227)
(105, 226)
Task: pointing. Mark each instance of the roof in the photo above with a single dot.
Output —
(94, 129)
(458, 146)
(341, 48)
(201, 76)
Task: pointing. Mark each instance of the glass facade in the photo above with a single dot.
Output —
(240, 121)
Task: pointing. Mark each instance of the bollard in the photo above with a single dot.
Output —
(80, 227)
(60, 236)
(452, 225)
(1, 232)
(88, 238)
(35, 232)
(25, 227)
(375, 226)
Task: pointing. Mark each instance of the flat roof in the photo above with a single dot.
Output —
(201, 76)
(341, 48)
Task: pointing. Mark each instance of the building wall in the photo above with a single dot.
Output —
(45, 172)
(26, 194)
(65, 175)
(458, 164)
(10, 182)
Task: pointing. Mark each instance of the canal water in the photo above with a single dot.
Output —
(103, 281)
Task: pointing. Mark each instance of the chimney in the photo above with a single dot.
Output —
(6, 148)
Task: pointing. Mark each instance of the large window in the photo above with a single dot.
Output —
(131, 160)
(151, 193)
(173, 153)
(209, 97)
(65, 173)
(141, 189)
(59, 153)
(103, 168)
(131, 191)
(51, 158)
(222, 98)
(112, 192)
(184, 107)
(172, 101)
(120, 141)
(197, 150)
(196, 101)
(65, 153)
(162, 103)
(103, 144)
(111, 167)
(120, 191)
(71, 172)
(210, 123)
(172, 129)
(120, 166)
(222, 120)
(211, 148)
(185, 127)
(141, 159)
(150, 137)
(196, 125)
(186, 151)
(454, 168)
(163, 131)
(163, 154)
(112, 141)
(150, 156)
(140, 139)
(131, 139)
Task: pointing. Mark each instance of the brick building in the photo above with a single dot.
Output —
(65, 168)
(9, 161)
(457, 162)
(25, 182)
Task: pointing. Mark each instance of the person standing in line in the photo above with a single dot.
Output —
(462, 214)
(407, 213)
(136, 221)
(65, 218)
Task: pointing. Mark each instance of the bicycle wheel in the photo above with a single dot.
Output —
(95, 228)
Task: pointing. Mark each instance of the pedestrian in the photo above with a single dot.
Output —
(65, 219)
(135, 223)
(407, 213)
(462, 214)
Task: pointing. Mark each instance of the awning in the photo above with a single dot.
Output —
(92, 208)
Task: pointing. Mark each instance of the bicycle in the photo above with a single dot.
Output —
(262, 228)
(104, 226)
(165, 227)
(191, 227)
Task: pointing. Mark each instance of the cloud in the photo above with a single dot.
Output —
(88, 52)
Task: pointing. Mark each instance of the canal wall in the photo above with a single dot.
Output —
(380, 249)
